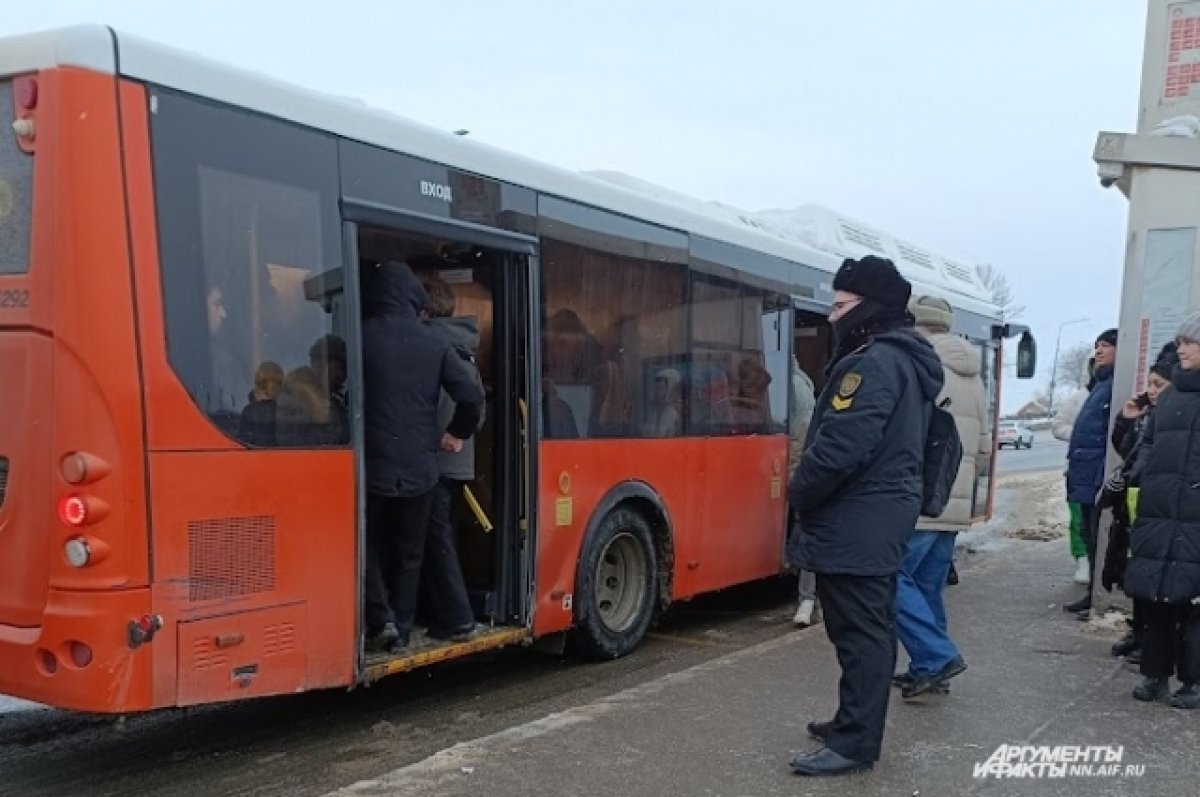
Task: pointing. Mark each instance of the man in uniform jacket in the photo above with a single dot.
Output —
(406, 366)
(858, 492)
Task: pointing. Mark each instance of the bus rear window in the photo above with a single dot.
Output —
(16, 191)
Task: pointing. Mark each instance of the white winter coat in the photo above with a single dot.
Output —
(961, 365)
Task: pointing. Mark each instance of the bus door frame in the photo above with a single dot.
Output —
(520, 295)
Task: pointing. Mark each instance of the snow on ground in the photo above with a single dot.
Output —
(1029, 506)
(10, 704)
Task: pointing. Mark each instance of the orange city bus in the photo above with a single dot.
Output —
(182, 247)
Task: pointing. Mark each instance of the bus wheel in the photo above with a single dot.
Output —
(615, 587)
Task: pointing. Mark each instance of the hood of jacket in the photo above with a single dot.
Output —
(461, 332)
(925, 359)
(957, 354)
(394, 290)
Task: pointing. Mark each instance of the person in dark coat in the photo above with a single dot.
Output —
(857, 493)
(1086, 454)
(1164, 571)
(1128, 431)
(446, 603)
(406, 366)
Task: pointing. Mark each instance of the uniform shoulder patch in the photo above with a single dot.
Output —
(850, 384)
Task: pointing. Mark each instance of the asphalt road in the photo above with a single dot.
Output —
(1046, 454)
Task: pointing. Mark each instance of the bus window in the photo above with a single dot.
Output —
(614, 340)
(739, 368)
(247, 211)
(16, 191)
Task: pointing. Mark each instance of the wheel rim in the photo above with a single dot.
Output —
(621, 582)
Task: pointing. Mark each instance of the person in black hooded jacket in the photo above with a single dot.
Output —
(1165, 539)
(406, 366)
(857, 492)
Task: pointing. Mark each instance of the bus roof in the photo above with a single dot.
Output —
(812, 236)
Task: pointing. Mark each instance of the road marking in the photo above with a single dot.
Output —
(457, 762)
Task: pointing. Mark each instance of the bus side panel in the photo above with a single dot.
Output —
(304, 499)
(172, 420)
(264, 541)
(742, 497)
(726, 527)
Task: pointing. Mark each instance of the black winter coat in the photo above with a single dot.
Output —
(406, 366)
(858, 487)
(1165, 539)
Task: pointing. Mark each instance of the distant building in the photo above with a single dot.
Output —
(1034, 409)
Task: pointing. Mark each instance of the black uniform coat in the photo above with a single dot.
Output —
(858, 487)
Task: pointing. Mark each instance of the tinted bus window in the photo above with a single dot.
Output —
(614, 342)
(739, 368)
(248, 218)
(16, 191)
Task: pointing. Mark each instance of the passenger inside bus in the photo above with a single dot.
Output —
(257, 426)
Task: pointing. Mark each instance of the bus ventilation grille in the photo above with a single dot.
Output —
(232, 556)
(3, 479)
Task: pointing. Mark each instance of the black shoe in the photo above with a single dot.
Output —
(952, 577)
(825, 762)
(1188, 696)
(1151, 690)
(820, 730)
(385, 639)
(904, 679)
(461, 634)
(1126, 646)
(928, 683)
(1082, 605)
(1135, 656)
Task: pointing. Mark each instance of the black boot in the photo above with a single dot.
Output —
(1188, 696)
(1151, 690)
(1082, 605)
(952, 576)
(1126, 646)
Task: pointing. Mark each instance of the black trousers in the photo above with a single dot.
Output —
(445, 604)
(396, 533)
(1171, 644)
(860, 619)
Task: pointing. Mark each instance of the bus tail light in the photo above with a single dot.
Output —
(83, 551)
(25, 92)
(81, 467)
(77, 510)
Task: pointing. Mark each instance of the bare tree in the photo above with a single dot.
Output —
(1002, 294)
(1072, 366)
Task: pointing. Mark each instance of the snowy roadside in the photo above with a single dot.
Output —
(1029, 506)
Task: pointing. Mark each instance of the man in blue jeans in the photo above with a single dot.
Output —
(920, 611)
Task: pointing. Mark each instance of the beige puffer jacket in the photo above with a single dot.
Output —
(961, 364)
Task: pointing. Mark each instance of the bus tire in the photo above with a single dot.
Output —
(615, 587)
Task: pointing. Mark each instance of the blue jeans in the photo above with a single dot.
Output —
(920, 612)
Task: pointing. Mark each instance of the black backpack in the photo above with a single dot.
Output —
(943, 456)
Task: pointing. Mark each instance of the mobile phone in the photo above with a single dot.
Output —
(1143, 401)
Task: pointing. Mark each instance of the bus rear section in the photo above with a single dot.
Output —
(73, 538)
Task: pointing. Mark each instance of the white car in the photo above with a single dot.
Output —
(1015, 434)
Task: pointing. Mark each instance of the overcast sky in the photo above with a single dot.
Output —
(966, 127)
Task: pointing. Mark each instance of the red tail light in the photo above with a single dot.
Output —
(81, 654)
(25, 92)
(73, 511)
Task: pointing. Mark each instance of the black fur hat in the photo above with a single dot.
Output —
(874, 278)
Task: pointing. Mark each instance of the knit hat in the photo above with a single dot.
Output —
(1190, 329)
(874, 278)
(932, 312)
(1108, 336)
